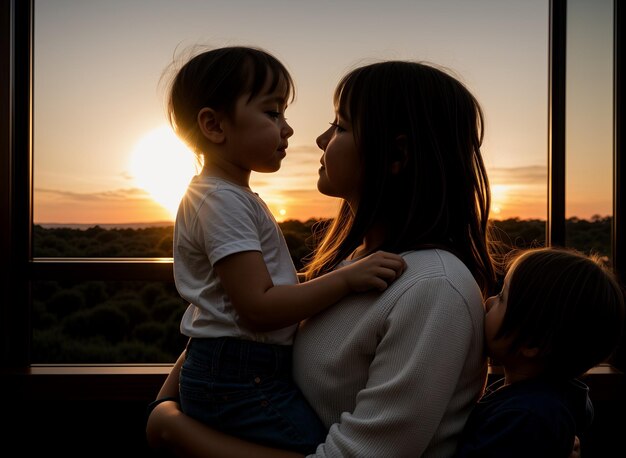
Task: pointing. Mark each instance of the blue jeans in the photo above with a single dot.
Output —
(245, 389)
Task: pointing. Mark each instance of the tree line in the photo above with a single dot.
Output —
(131, 322)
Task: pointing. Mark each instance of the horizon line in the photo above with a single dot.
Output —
(162, 223)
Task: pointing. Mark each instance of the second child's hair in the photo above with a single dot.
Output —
(216, 79)
(568, 305)
(427, 120)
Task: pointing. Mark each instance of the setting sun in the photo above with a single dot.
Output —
(499, 196)
(162, 165)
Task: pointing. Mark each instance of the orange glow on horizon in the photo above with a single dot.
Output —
(162, 167)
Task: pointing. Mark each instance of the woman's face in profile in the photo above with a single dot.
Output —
(341, 171)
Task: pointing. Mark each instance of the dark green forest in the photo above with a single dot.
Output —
(102, 322)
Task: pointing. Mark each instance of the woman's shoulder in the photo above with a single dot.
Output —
(436, 262)
(441, 273)
(431, 253)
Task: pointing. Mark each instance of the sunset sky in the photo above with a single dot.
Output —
(103, 152)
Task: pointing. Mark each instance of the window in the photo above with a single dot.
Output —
(105, 187)
(25, 121)
(589, 130)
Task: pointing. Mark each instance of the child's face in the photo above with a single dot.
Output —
(495, 306)
(256, 136)
(340, 174)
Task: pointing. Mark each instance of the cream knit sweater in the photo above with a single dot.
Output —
(395, 374)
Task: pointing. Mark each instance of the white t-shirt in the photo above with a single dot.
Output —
(215, 219)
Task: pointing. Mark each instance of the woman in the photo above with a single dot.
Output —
(393, 373)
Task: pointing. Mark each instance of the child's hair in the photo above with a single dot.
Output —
(567, 305)
(216, 79)
(426, 119)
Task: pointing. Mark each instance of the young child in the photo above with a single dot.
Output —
(559, 314)
(231, 261)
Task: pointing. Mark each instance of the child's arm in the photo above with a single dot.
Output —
(264, 306)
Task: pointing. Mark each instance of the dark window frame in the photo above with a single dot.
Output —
(138, 381)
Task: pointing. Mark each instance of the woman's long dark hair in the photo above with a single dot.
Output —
(423, 118)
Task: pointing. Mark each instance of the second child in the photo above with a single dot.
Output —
(559, 314)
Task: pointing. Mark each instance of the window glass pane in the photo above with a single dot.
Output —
(589, 121)
(108, 174)
(106, 322)
(102, 242)
(148, 242)
(103, 155)
(116, 322)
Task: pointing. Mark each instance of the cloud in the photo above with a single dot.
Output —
(104, 207)
(111, 195)
(527, 175)
(516, 191)
(127, 176)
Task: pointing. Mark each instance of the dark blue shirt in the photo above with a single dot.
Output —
(532, 418)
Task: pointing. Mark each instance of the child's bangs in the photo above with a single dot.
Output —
(262, 70)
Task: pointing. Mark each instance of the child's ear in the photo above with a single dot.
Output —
(210, 124)
(401, 159)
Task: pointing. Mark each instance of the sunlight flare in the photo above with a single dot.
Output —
(162, 165)
(499, 197)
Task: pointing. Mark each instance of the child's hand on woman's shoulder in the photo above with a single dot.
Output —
(375, 271)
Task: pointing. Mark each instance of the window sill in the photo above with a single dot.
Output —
(142, 382)
(85, 382)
